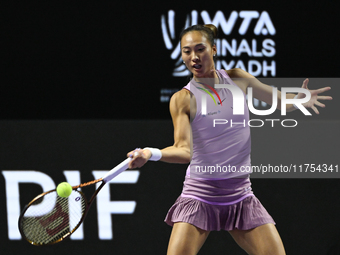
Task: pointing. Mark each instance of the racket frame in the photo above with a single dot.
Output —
(88, 204)
(107, 177)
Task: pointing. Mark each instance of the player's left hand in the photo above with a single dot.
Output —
(313, 102)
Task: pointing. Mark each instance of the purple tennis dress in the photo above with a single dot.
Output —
(217, 190)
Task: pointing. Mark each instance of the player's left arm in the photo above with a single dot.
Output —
(264, 92)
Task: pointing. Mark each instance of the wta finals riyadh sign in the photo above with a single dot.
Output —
(233, 49)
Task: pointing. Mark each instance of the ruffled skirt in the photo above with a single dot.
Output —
(246, 214)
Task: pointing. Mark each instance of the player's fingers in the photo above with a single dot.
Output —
(319, 104)
(133, 163)
(324, 98)
(137, 153)
(319, 91)
(137, 162)
(134, 153)
(315, 109)
(305, 83)
(129, 154)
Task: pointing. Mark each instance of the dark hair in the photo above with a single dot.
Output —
(209, 30)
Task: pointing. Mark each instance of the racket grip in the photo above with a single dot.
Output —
(117, 170)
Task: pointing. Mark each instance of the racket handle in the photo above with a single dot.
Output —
(117, 170)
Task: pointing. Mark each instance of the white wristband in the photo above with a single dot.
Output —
(294, 104)
(156, 154)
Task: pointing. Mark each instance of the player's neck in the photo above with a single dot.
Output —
(209, 80)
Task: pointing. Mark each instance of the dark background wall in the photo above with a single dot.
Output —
(81, 86)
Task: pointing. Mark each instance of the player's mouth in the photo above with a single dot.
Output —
(197, 67)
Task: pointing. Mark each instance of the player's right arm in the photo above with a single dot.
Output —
(179, 152)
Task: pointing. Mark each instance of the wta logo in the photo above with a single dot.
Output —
(253, 53)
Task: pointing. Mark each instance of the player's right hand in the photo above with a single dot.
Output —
(139, 157)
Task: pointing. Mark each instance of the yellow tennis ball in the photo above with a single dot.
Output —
(64, 189)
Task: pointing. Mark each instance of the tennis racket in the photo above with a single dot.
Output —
(49, 219)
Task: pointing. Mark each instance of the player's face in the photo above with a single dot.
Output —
(197, 54)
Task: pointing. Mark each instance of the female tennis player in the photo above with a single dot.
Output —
(225, 200)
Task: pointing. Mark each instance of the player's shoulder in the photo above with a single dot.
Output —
(238, 73)
(180, 100)
(180, 96)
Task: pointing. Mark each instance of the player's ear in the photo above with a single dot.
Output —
(214, 50)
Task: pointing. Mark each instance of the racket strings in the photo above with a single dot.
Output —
(51, 217)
